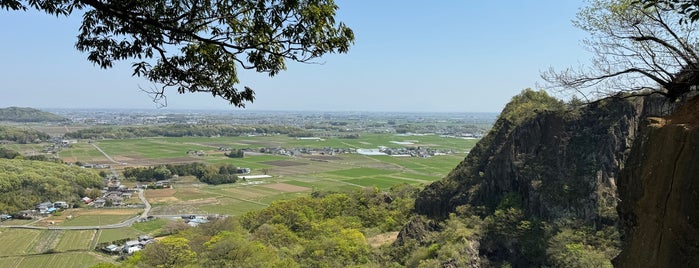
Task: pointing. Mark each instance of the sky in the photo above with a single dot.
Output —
(408, 56)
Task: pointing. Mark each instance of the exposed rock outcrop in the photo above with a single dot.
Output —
(618, 162)
(561, 163)
(659, 192)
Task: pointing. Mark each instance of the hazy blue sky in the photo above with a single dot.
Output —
(436, 56)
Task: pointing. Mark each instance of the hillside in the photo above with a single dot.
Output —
(25, 183)
(27, 115)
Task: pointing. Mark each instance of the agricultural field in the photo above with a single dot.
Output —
(68, 259)
(289, 177)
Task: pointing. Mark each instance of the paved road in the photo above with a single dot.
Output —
(144, 215)
(125, 223)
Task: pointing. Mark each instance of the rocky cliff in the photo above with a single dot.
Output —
(659, 193)
(559, 163)
(613, 163)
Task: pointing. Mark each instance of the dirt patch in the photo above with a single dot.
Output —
(286, 187)
(382, 239)
(160, 200)
(160, 193)
(284, 163)
(161, 196)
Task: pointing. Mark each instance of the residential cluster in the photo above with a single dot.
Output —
(304, 151)
(129, 246)
(113, 195)
(39, 210)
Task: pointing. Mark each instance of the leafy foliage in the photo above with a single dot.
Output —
(25, 183)
(198, 46)
(207, 174)
(527, 104)
(636, 47)
(8, 153)
(328, 230)
(688, 8)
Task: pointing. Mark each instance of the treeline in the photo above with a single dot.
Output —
(12, 154)
(178, 130)
(22, 135)
(206, 174)
(235, 154)
(25, 183)
(19, 114)
(324, 230)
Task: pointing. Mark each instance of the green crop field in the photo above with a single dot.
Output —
(360, 172)
(75, 240)
(70, 259)
(18, 241)
(150, 227)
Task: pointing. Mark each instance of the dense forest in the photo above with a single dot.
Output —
(22, 135)
(179, 130)
(25, 183)
(26, 115)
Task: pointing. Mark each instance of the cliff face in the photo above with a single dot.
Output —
(659, 193)
(612, 163)
(559, 164)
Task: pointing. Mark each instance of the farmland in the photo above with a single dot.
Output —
(290, 176)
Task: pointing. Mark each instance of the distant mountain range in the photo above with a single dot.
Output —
(22, 114)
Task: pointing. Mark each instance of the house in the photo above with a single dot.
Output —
(133, 249)
(112, 248)
(26, 214)
(163, 183)
(99, 202)
(87, 200)
(115, 200)
(43, 208)
(132, 246)
(4, 217)
(60, 204)
(196, 221)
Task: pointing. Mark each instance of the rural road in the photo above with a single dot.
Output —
(105, 154)
(125, 223)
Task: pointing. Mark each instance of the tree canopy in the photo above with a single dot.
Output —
(199, 46)
(637, 47)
